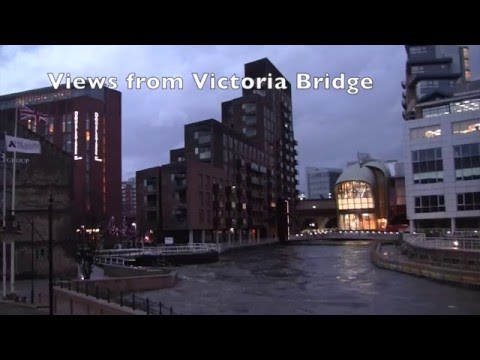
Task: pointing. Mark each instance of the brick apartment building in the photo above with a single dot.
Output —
(234, 179)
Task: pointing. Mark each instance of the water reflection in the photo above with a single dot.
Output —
(309, 280)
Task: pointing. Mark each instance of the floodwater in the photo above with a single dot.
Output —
(308, 280)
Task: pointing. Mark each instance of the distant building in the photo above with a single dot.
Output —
(129, 199)
(321, 181)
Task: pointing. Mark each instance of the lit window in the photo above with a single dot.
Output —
(466, 127)
(425, 132)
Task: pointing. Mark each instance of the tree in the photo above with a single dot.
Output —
(86, 251)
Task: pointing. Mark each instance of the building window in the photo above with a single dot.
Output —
(40, 254)
(429, 204)
(365, 221)
(468, 201)
(250, 132)
(465, 105)
(415, 50)
(151, 216)
(468, 75)
(436, 111)
(354, 195)
(427, 166)
(425, 132)
(206, 155)
(249, 119)
(152, 200)
(151, 184)
(203, 153)
(466, 127)
(68, 123)
(67, 142)
(467, 161)
(248, 108)
(418, 70)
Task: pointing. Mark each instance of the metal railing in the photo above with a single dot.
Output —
(121, 256)
(222, 247)
(446, 243)
(444, 232)
(110, 260)
(348, 235)
(132, 301)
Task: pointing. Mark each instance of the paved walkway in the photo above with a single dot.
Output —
(20, 309)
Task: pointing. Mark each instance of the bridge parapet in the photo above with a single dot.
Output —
(446, 243)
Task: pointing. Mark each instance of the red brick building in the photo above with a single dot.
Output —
(87, 125)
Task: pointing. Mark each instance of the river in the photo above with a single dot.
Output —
(308, 280)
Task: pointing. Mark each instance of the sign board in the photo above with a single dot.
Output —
(169, 241)
(22, 145)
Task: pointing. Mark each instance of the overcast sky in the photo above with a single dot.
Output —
(330, 125)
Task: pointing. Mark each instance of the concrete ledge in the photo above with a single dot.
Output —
(125, 271)
(71, 303)
(321, 242)
(461, 277)
(125, 285)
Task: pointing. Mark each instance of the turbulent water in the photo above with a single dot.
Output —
(305, 280)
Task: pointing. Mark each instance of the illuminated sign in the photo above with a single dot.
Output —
(96, 138)
(75, 137)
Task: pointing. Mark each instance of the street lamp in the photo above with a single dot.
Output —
(135, 233)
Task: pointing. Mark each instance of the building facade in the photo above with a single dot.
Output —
(321, 182)
(370, 195)
(87, 125)
(37, 177)
(442, 154)
(234, 179)
(129, 200)
(265, 116)
(433, 71)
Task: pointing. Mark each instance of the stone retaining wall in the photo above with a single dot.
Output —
(72, 303)
(441, 273)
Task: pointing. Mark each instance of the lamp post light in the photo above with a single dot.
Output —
(135, 233)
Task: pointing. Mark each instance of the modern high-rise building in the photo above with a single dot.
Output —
(234, 179)
(265, 116)
(442, 140)
(433, 72)
(321, 181)
(442, 162)
(87, 125)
